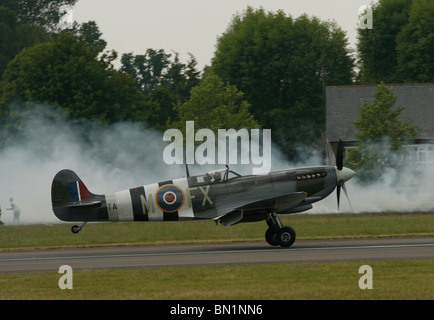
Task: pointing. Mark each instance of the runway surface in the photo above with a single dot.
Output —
(216, 254)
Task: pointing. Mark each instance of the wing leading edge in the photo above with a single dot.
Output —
(253, 211)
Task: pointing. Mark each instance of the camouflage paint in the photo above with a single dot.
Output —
(197, 197)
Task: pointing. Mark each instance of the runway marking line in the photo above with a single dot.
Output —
(215, 252)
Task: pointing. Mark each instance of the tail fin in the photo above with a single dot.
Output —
(72, 201)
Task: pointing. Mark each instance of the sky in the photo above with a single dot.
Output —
(193, 26)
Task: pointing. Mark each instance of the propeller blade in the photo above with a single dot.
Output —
(346, 193)
(330, 154)
(342, 174)
(340, 155)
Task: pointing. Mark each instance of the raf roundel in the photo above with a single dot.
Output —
(169, 198)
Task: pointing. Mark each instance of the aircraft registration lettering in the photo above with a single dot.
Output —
(148, 203)
(205, 195)
(112, 208)
(190, 196)
(124, 207)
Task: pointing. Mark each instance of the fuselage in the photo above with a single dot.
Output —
(210, 196)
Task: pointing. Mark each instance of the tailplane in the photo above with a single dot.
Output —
(72, 201)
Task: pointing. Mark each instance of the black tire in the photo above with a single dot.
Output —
(75, 229)
(270, 237)
(285, 236)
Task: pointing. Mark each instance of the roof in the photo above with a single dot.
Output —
(343, 104)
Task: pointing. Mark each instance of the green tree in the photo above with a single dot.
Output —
(399, 47)
(148, 69)
(15, 36)
(165, 81)
(214, 105)
(415, 44)
(282, 65)
(90, 32)
(8, 32)
(381, 136)
(377, 46)
(71, 74)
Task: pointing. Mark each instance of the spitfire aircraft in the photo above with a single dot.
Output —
(221, 195)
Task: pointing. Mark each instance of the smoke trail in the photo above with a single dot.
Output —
(125, 155)
(107, 159)
(408, 187)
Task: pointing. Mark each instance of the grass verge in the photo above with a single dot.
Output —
(403, 279)
(307, 226)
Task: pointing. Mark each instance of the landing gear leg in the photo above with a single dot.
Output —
(77, 229)
(278, 234)
(274, 224)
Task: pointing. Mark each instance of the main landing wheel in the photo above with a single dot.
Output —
(284, 236)
(278, 234)
(270, 237)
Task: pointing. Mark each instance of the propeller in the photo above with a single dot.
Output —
(342, 174)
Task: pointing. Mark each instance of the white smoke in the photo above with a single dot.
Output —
(407, 188)
(107, 159)
(126, 155)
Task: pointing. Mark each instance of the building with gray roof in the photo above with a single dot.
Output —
(343, 104)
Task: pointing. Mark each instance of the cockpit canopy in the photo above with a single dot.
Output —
(216, 176)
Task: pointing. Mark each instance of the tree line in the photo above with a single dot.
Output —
(269, 69)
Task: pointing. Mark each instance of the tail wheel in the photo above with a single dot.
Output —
(75, 229)
(285, 236)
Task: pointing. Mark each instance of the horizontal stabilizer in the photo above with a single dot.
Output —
(88, 204)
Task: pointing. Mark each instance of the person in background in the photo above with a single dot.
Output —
(16, 210)
(1, 223)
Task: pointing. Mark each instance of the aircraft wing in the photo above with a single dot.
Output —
(237, 202)
(289, 201)
(283, 202)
